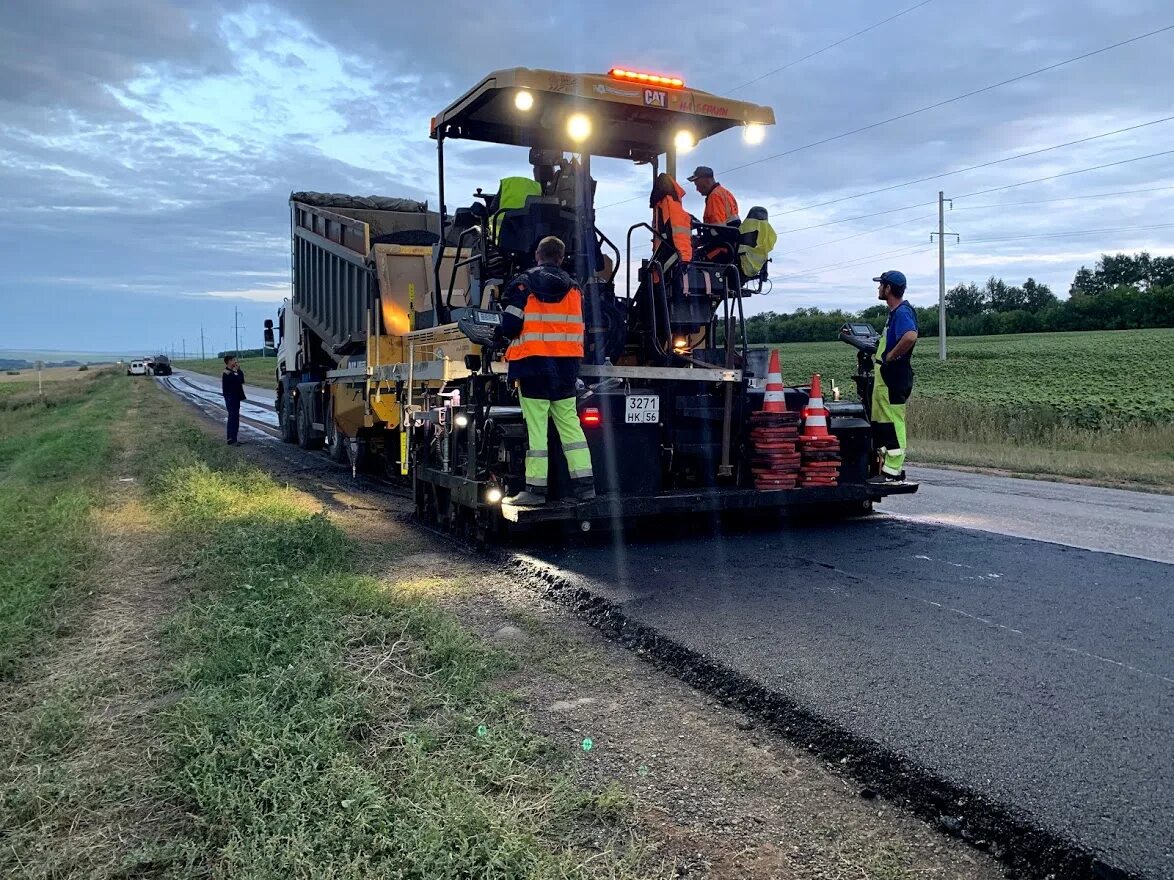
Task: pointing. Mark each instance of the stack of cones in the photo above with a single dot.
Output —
(820, 451)
(774, 433)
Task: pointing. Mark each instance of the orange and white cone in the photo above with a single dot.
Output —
(774, 401)
(815, 415)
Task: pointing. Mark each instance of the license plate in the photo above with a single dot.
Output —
(642, 409)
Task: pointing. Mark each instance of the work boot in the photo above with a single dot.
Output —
(525, 498)
(882, 478)
(583, 488)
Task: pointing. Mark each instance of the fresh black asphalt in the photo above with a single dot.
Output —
(1034, 674)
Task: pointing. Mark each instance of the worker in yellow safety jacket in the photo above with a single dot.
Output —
(544, 322)
(893, 387)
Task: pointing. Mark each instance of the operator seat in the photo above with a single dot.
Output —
(520, 229)
(758, 239)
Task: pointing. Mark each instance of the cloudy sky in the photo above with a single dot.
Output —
(148, 147)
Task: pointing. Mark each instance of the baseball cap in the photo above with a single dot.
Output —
(893, 277)
(702, 171)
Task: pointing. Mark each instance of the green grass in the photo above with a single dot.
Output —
(258, 371)
(1092, 405)
(331, 728)
(54, 457)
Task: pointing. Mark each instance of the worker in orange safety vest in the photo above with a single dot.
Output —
(543, 319)
(671, 222)
(721, 208)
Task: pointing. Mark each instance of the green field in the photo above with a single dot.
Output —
(1091, 380)
(258, 371)
(1093, 405)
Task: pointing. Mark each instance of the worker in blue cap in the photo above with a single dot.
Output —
(895, 385)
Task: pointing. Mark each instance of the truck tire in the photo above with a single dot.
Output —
(285, 421)
(336, 441)
(306, 438)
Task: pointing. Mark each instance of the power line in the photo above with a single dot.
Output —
(920, 249)
(902, 251)
(1122, 192)
(1073, 233)
(983, 192)
(850, 219)
(839, 42)
(969, 94)
(928, 107)
(882, 189)
(857, 235)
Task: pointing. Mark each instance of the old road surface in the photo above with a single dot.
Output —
(258, 418)
(997, 646)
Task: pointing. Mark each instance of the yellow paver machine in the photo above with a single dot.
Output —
(385, 354)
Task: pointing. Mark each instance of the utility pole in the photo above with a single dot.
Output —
(941, 234)
(183, 348)
(202, 355)
(236, 326)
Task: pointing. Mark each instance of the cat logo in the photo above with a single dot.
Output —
(655, 98)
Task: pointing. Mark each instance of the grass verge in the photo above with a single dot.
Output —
(1034, 442)
(331, 727)
(54, 454)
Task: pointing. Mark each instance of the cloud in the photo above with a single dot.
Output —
(273, 293)
(106, 44)
(149, 175)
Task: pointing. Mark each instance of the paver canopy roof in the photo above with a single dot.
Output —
(629, 118)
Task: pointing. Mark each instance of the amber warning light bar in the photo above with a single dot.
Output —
(652, 79)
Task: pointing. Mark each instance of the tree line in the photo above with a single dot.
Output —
(1121, 292)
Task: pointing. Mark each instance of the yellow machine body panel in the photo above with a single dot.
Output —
(406, 280)
(350, 410)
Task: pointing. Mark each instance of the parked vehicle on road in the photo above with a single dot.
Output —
(161, 365)
(136, 368)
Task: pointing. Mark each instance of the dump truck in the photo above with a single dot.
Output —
(386, 353)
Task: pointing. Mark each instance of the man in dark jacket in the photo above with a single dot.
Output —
(232, 386)
(544, 321)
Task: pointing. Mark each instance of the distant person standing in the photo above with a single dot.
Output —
(893, 387)
(232, 386)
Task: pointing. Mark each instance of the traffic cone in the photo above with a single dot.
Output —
(815, 415)
(774, 401)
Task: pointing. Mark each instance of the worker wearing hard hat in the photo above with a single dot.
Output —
(721, 208)
(544, 321)
(895, 384)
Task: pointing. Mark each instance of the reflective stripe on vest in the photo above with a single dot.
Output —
(550, 329)
(670, 216)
